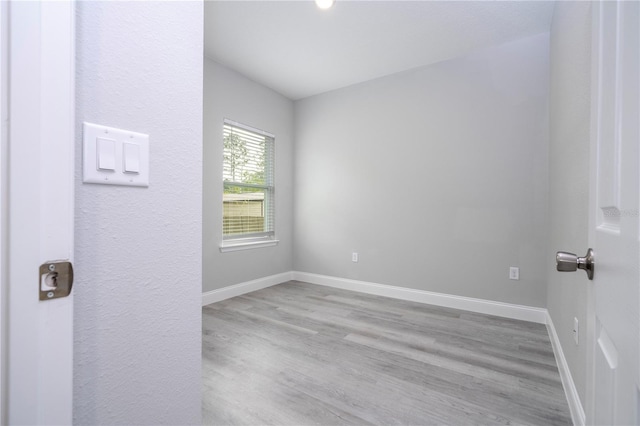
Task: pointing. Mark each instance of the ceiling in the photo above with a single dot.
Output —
(298, 50)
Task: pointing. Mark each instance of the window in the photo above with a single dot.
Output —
(248, 196)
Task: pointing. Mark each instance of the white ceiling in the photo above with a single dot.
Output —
(299, 50)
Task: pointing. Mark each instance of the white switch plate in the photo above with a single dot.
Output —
(354, 257)
(92, 173)
(514, 273)
(576, 331)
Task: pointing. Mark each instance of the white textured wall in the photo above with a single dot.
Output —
(436, 176)
(233, 96)
(138, 250)
(569, 176)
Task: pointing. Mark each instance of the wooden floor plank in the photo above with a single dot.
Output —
(302, 354)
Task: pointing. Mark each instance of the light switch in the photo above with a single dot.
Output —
(112, 156)
(106, 154)
(131, 158)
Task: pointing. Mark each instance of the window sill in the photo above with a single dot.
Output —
(246, 245)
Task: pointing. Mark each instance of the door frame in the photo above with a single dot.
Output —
(4, 128)
(38, 183)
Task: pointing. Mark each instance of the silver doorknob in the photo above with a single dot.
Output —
(569, 262)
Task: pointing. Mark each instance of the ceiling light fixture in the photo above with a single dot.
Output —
(324, 4)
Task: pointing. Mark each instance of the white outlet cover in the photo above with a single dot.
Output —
(514, 273)
(90, 161)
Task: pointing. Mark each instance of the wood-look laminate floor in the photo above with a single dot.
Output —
(302, 354)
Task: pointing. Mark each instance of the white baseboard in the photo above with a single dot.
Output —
(243, 288)
(575, 406)
(520, 312)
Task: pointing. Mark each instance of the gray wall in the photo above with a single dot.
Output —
(436, 176)
(138, 250)
(228, 94)
(569, 176)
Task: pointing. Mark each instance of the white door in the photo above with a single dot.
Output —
(614, 216)
(38, 345)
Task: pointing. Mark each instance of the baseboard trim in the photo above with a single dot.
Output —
(243, 288)
(520, 312)
(575, 406)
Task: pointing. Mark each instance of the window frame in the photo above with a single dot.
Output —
(260, 239)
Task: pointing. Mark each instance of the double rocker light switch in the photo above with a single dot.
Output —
(114, 156)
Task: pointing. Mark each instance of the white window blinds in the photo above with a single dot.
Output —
(248, 176)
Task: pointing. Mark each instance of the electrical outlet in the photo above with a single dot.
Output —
(354, 257)
(514, 273)
(576, 330)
